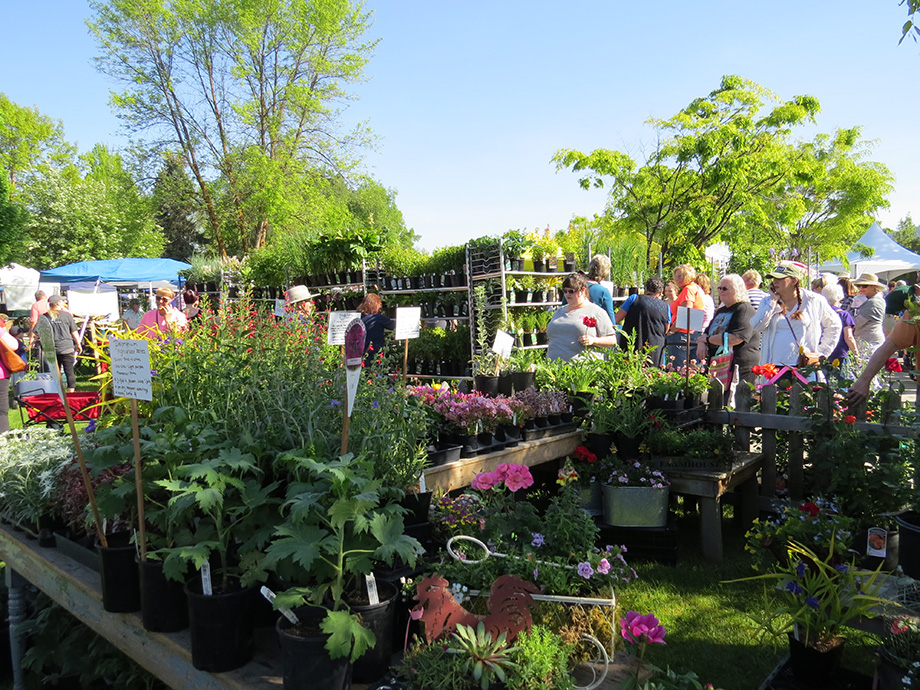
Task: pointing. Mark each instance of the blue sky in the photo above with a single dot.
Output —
(470, 100)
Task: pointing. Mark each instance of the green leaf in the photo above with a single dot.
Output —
(347, 637)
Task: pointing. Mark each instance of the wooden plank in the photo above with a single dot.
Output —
(460, 473)
(768, 443)
(763, 420)
(166, 655)
(795, 471)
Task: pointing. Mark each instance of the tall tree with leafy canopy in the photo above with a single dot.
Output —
(13, 220)
(29, 143)
(177, 210)
(718, 157)
(248, 90)
(825, 203)
(101, 215)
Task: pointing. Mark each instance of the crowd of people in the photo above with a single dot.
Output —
(797, 321)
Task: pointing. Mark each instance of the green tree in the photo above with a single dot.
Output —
(101, 215)
(718, 157)
(178, 210)
(910, 27)
(249, 92)
(13, 220)
(906, 234)
(29, 142)
(825, 202)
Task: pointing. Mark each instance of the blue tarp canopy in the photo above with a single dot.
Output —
(118, 271)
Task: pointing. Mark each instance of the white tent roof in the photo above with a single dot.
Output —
(890, 258)
(19, 285)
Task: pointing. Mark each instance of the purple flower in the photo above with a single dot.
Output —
(335, 403)
(841, 568)
(585, 570)
(538, 539)
(536, 574)
(603, 567)
(812, 601)
(794, 588)
(800, 569)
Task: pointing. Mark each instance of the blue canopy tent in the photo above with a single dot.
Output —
(118, 271)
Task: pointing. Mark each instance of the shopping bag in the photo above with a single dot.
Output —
(720, 367)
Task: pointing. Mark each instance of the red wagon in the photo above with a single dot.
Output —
(48, 407)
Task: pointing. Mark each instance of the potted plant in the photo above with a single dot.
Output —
(636, 495)
(544, 316)
(336, 523)
(628, 420)
(819, 597)
(666, 391)
(899, 655)
(514, 245)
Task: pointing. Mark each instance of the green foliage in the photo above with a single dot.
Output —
(30, 144)
(515, 243)
(484, 658)
(336, 523)
(178, 210)
(542, 660)
(13, 221)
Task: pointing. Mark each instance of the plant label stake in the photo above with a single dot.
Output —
(408, 326)
(47, 343)
(354, 357)
(287, 613)
(501, 346)
(373, 597)
(131, 379)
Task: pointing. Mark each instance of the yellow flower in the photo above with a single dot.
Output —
(836, 362)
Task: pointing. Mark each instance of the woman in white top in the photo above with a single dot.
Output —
(794, 320)
(579, 324)
(870, 315)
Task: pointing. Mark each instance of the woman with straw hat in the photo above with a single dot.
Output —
(870, 314)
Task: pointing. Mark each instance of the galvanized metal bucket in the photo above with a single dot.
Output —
(635, 506)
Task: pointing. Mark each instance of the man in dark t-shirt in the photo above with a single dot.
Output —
(648, 319)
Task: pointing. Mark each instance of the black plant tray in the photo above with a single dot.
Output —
(843, 679)
(82, 550)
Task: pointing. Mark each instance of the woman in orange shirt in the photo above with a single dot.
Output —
(690, 295)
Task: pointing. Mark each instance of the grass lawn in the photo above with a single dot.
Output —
(708, 627)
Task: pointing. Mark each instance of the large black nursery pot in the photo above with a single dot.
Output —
(163, 604)
(522, 380)
(812, 666)
(379, 619)
(909, 542)
(221, 627)
(417, 504)
(487, 385)
(120, 585)
(305, 661)
(505, 383)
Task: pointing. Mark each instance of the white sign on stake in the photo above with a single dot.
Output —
(130, 368)
(408, 323)
(338, 324)
(503, 344)
(279, 307)
(697, 317)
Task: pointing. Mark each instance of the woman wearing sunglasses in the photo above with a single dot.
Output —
(165, 319)
(579, 324)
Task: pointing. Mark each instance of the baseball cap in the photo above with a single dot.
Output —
(789, 269)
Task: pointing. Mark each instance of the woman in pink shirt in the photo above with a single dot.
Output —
(165, 319)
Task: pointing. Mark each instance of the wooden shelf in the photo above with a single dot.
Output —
(461, 288)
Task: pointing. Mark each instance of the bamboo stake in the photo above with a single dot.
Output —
(138, 482)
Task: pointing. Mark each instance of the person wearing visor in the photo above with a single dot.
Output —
(797, 326)
(165, 319)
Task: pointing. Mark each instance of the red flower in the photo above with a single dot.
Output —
(849, 419)
(590, 322)
(893, 365)
(810, 508)
(768, 371)
(585, 455)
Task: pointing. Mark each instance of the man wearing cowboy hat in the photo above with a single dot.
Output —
(299, 304)
(870, 314)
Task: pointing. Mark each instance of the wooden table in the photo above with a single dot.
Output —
(709, 486)
(78, 589)
(460, 473)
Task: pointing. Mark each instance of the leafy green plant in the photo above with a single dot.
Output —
(484, 658)
(31, 462)
(336, 523)
(542, 660)
(514, 244)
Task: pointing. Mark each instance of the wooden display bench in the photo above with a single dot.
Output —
(78, 589)
(709, 485)
(459, 473)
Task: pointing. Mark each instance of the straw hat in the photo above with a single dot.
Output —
(789, 269)
(869, 279)
(298, 293)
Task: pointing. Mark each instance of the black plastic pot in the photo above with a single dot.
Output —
(522, 380)
(163, 604)
(909, 542)
(379, 619)
(220, 627)
(487, 385)
(812, 666)
(417, 504)
(120, 585)
(306, 664)
(505, 384)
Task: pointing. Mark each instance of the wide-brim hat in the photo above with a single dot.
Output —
(789, 269)
(869, 279)
(298, 293)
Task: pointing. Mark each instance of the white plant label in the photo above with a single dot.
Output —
(373, 598)
(130, 368)
(206, 579)
(696, 318)
(502, 344)
(287, 613)
(421, 484)
(408, 323)
(338, 324)
(877, 542)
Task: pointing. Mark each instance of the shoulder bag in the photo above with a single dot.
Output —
(720, 366)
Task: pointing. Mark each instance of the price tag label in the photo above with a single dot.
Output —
(206, 579)
(373, 597)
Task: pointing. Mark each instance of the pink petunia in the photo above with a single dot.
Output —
(640, 629)
(485, 481)
(517, 477)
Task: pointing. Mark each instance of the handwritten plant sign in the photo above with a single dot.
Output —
(338, 325)
(131, 368)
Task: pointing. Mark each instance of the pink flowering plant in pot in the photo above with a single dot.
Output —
(557, 551)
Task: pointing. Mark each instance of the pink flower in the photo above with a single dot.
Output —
(640, 629)
(603, 567)
(515, 476)
(485, 481)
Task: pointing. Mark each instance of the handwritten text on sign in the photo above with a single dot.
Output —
(131, 368)
(338, 324)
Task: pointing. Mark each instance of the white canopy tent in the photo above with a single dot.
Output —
(889, 260)
(19, 284)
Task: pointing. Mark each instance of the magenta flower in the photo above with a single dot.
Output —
(485, 481)
(515, 476)
(603, 567)
(640, 629)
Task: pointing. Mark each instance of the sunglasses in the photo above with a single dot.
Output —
(724, 289)
(162, 299)
(569, 291)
